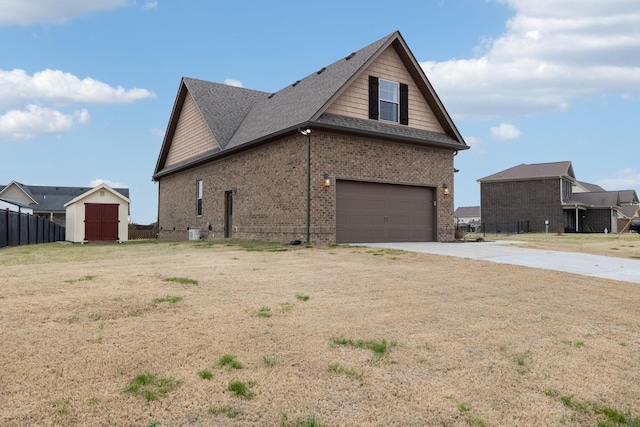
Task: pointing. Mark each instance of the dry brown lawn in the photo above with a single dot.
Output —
(626, 245)
(467, 342)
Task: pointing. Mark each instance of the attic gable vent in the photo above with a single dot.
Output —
(320, 71)
(296, 83)
(351, 55)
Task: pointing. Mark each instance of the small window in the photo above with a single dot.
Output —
(199, 198)
(567, 190)
(389, 97)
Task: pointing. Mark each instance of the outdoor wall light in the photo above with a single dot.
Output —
(445, 189)
(327, 180)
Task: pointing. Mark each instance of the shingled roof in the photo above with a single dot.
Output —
(239, 117)
(467, 211)
(532, 171)
(596, 199)
(590, 187)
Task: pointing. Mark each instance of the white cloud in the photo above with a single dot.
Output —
(552, 53)
(157, 132)
(505, 132)
(30, 104)
(624, 179)
(233, 82)
(21, 125)
(28, 12)
(476, 144)
(112, 184)
(60, 88)
(150, 5)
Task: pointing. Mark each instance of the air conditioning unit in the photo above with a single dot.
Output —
(194, 234)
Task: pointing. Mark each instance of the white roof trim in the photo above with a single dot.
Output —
(95, 189)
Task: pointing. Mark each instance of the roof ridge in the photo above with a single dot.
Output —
(305, 98)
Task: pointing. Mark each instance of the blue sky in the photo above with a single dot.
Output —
(87, 86)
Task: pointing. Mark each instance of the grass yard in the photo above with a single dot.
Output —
(256, 334)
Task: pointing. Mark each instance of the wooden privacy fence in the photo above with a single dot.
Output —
(138, 234)
(17, 228)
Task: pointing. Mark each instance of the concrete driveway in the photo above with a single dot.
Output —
(505, 253)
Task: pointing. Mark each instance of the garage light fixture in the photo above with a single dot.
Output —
(445, 189)
(327, 180)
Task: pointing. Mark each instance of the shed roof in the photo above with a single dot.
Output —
(239, 117)
(96, 189)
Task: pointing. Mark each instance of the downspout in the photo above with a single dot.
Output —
(158, 215)
(307, 133)
(308, 185)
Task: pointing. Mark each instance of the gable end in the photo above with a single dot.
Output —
(192, 136)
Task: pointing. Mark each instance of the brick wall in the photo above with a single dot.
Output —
(535, 201)
(271, 186)
(598, 220)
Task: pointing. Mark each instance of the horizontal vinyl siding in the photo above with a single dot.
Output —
(354, 102)
(192, 135)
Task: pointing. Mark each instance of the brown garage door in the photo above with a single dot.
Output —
(371, 213)
(100, 221)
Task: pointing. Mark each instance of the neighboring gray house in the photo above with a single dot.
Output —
(46, 201)
(361, 150)
(467, 217)
(547, 197)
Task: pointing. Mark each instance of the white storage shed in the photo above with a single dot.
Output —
(100, 214)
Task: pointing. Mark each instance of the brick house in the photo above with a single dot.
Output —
(358, 151)
(547, 197)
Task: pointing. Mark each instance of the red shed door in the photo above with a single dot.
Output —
(100, 221)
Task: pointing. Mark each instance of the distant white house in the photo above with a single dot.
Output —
(15, 206)
(467, 216)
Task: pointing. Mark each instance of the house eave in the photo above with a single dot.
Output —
(536, 178)
(218, 154)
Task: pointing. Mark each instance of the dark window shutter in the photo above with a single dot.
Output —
(404, 104)
(374, 112)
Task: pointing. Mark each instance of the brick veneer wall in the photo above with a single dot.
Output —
(271, 186)
(598, 220)
(534, 201)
